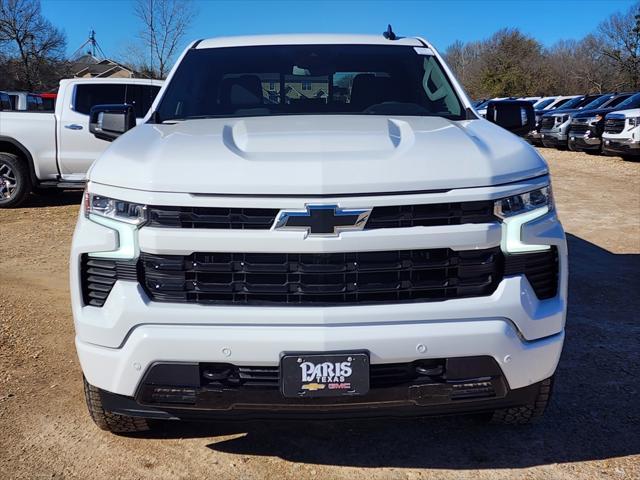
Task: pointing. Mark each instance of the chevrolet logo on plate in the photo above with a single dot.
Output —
(322, 220)
(313, 386)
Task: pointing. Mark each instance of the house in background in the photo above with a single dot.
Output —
(89, 66)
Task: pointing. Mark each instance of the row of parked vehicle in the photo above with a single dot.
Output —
(27, 101)
(597, 123)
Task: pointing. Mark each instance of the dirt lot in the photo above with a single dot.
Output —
(591, 430)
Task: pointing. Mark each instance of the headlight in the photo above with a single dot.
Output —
(524, 202)
(120, 210)
(634, 121)
(562, 118)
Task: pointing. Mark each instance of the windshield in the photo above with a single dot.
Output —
(308, 79)
(543, 103)
(572, 103)
(597, 102)
(632, 102)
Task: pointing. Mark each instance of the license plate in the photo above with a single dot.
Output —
(324, 375)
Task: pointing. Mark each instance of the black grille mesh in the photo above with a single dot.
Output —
(334, 278)
(579, 129)
(100, 274)
(547, 122)
(381, 217)
(541, 269)
(614, 125)
(320, 279)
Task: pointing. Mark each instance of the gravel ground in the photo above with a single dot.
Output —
(590, 431)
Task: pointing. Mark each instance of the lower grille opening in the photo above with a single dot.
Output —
(222, 385)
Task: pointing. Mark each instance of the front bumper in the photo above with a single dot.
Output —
(553, 139)
(584, 142)
(120, 341)
(175, 392)
(625, 147)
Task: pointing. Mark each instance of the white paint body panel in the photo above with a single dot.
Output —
(316, 155)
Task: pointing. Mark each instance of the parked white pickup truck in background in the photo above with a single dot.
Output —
(40, 150)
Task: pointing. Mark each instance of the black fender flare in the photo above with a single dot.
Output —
(27, 155)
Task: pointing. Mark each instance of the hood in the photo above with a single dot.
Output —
(593, 113)
(631, 113)
(560, 112)
(316, 155)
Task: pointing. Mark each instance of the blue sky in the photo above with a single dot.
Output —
(441, 22)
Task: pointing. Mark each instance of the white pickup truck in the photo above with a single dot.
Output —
(43, 150)
(316, 226)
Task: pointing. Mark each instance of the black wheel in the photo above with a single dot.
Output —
(110, 421)
(15, 182)
(525, 413)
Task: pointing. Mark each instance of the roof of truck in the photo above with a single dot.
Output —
(305, 39)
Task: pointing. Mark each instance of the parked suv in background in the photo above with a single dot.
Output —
(556, 104)
(585, 131)
(622, 134)
(554, 126)
(316, 226)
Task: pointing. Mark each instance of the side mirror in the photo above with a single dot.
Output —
(108, 122)
(517, 116)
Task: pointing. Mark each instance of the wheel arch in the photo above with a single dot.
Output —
(13, 146)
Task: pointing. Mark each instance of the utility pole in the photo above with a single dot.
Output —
(152, 39)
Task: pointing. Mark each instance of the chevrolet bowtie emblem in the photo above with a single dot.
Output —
(322, 220)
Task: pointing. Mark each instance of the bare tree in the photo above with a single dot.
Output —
(166, 23)
(620, 40)
(37, 44)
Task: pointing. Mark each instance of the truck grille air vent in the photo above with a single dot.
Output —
(429, 215)
(98, 275)
(547, 122)
(578, 129)
(381, 217)
(325, 279)
(541, 269)
(206, 217)
(614, 125)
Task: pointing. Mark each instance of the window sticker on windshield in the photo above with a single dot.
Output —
(423, 51)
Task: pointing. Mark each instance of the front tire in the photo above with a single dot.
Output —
(15, 182)
(106, 420)
(525, 414)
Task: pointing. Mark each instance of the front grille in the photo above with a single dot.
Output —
(430, 215)
(579, 129)
(98, 276)
(324, 278)
(209, 217)
(541, 269)
(614, 125)
(547, 122)
(455, 213)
